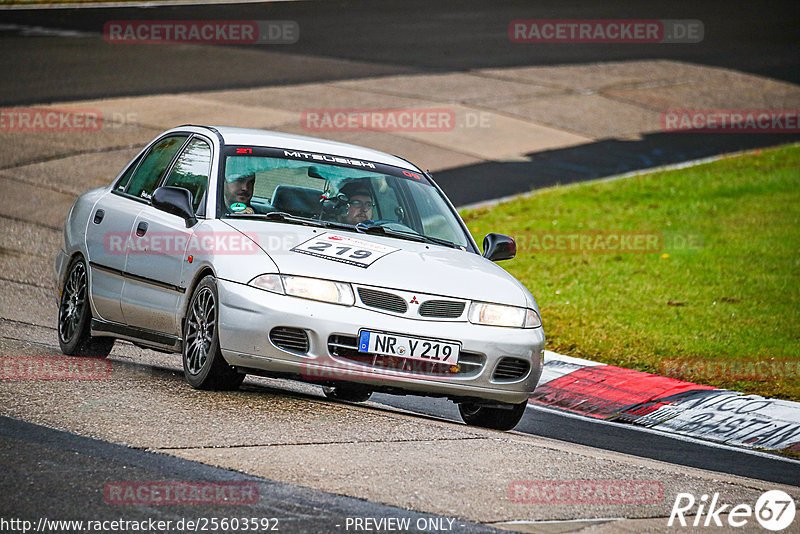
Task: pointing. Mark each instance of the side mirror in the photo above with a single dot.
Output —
(497, 247)
(177, 201)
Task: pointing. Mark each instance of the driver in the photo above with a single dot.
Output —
(239, 191)
(360, 204)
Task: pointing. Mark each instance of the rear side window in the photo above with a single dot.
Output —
(192, 169)
(155, 164)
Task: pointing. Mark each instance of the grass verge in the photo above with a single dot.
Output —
(712, 293)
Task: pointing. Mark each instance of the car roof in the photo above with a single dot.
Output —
(248, 136)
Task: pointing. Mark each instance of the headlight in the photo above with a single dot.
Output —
(316, 289)
(268, 282)
(532, 319)
(499, 315)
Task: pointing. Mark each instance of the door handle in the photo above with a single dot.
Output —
(141, 229)
(98, 216)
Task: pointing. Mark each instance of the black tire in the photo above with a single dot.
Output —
(203, 364)
(75, 316)
(496, 418)
(347, 393)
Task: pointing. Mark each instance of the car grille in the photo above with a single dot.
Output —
(442, 308)
(346, 348)
(291, 339)
(382, 300)
(511, 369)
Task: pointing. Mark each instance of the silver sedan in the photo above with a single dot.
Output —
(256, 252)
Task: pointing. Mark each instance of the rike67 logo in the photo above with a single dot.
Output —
(774, 510)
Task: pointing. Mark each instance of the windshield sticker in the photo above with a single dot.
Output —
(326, 159)
(238, 206)
(344, 249)
(329, 159)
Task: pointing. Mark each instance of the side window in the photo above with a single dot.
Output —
(152, 169)
(192, 169)
(123, 182)
(430, 207)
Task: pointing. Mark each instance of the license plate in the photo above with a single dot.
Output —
(428, 350)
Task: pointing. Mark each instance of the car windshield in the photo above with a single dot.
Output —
(350, 194)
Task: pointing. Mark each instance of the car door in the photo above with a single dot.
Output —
(153, 289)
(107, 233)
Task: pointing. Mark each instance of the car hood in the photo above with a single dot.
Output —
(413, 266)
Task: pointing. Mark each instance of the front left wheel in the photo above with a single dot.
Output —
(203, 364)
(75, 316)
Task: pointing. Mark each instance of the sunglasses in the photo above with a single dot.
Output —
(360, 203)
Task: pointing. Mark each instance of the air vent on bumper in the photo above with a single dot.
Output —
(382, 300)
(511, 369)
(291, 339)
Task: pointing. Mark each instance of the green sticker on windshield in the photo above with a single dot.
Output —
(238, 206)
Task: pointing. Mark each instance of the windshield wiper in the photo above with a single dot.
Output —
(281, 216)
(443, 242)
(383, 230)
(339, 226)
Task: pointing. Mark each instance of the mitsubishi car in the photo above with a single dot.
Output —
(264, 253)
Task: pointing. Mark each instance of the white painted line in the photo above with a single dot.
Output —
(29, 31)
(550, 355)
(557, 365)
(679, 437)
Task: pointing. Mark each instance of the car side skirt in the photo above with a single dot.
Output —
(149, 338)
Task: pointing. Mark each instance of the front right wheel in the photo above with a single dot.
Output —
(203, 364)
(503, 417)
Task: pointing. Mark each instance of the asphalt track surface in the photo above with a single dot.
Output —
(58, 475)
(360, 39)
(621, 438)
(73, 471)
(372, 39)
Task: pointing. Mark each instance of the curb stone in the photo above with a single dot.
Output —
(612, 393)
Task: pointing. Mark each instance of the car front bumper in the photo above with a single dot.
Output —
(248, 314)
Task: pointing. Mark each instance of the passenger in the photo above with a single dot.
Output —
(239, 190)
